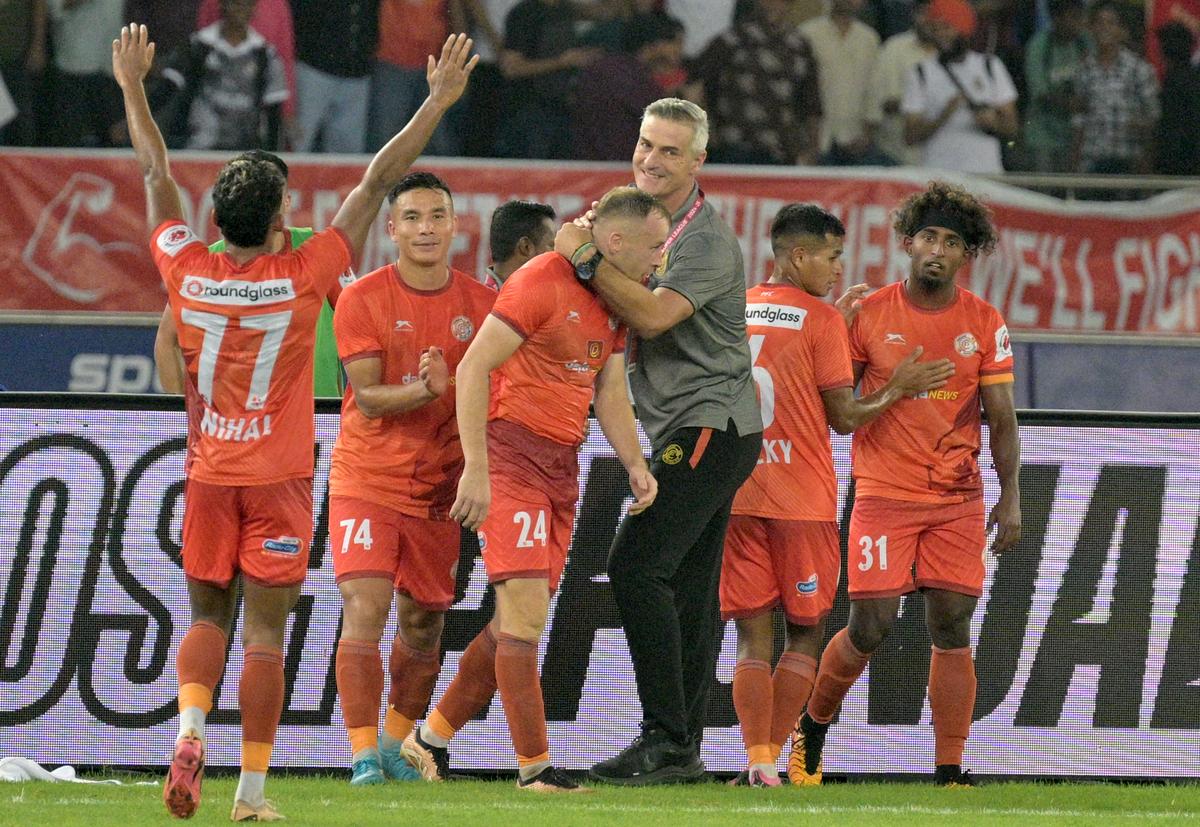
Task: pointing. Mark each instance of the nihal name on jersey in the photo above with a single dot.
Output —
(242, 429)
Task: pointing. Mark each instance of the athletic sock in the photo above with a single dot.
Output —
(414, 674)
(521, 694)
(199, 665)
(790, 687)
(396, 728)
(260, 698)
(473, 687)
(360, 689)
(952, 701)
(752, 702)
(841, 665)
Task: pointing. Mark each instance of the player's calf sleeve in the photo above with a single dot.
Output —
(752, 702)
(360, 689)
(473, 686)
(841, 665)
(413, 674)
(200, 664)
(521, 694)
(952, 701)
(790, 688)
(260, 699)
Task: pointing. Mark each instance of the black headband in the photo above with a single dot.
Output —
(935, 217)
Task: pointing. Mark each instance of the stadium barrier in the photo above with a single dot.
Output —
(1086, 633)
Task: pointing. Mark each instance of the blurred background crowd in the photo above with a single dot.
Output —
(968, 85)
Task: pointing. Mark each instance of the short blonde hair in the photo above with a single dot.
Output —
(630, 202)
(684, 112)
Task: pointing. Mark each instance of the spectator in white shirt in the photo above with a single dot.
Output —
(960, 105)
(900, 53)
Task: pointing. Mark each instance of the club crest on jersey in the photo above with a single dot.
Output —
(595, 348)
(175, 239)
(966, 345)
(289, 546)
(672, 454)
(807, 588)
(462, 329)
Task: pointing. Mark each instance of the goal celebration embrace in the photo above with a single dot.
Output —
(467, 399)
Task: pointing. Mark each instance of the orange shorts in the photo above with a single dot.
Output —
(889, 537)
(419, 555)
(262, 531)
(525, 534)
(789, 563)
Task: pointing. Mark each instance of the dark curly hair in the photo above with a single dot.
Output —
(978, 232)
(247, 195)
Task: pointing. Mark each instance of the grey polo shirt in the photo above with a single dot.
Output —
(697, 374)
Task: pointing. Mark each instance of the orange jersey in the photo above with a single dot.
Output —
(547, 384)
(408, 462)
(799, 347)
(926, 449)
(246, 332)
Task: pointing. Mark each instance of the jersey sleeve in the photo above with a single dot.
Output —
(325, 258)
(354, 328)
(170, 244)
(526, 302)
(831, 353)
(699, 268)
(996, 349)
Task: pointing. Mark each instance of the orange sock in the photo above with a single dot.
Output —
(791, 685)
(952, 701)
(360, 689)
(752, 702)
(414, 674)
(396, 726)
(521, 694)
(473, 686)
(841, 664)
(200, 664)
(260, 698)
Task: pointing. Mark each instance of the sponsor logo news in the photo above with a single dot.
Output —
(236, 292)
(807, 588)
(672, 454)
(462, 329)
(894, 339)
(284, 545)
(403, 325)
(939, 394)
(775, 315)
(595, 349)
(965, 344)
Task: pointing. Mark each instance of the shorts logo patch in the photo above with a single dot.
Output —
(482, 541)
(672, 454)
(965, 344)
(807, 588)
(462, 328)
(595, 348)
(284, 545)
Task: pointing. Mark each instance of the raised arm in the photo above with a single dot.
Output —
(133, 55)
(168, 359)
(492, 345)
(447, 82)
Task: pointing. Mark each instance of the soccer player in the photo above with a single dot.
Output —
(245, 320)
(689, 370)
(519, 231)
(781, 548)
(327, 370)
(401, 332)
(553, 344)
(919, 491)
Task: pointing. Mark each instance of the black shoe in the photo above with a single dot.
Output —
(805, 767)
(653, 758)
(952, 775)
(551, 780)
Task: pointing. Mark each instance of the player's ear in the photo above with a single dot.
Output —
(906, 243)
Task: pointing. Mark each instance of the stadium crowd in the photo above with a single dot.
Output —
(975, 86)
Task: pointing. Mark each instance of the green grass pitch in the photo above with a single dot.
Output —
(331, 801)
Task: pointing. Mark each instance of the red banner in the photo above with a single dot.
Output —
(73, 234)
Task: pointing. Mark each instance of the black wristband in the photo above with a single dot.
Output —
(586, 270)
